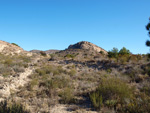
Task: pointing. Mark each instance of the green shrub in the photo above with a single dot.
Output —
(42, 53)
(67, 96)
(12, 108)
(5, 71)
(146, 89)
(24, 59)
(101, 52)
(72, 72)
(110, 103)
(50, 69)
(50, 88)
(112, 91)
(139, 104)
(10, 65)
(146, 70)
(15, 44)
(53, 57)
(97, 100)
(124, 51)
(18, 69)
(123, 59)
(40, 72)
(57, 82)
(109, 70)
(8, 61)
(113, 53)
(33, 83)
(69, 56)
(133, 58)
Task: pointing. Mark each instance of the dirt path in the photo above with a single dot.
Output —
(68, 109)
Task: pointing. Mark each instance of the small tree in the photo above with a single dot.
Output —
(113, 53)
(148, 28)
(124, 51)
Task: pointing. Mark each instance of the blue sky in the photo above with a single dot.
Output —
(55, 24)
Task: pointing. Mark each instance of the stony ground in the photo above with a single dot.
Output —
(12, 84)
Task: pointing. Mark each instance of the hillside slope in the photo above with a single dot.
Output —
(80, 79)
(12, 49)
(87, 46)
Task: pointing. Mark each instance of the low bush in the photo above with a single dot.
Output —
(57, 82)
(70, 56)
(139, 104)
(42, 53)
(12, 108)
(111, 91)
(33, 83)
(50, 69)
(96, 99)
(146, 89)
(10, 65)
(67, 96)
(101, 52)
(123, 59)
(109, 70)
(15, 44)
(72, 72)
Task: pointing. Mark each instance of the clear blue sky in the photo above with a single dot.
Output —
(55, 24)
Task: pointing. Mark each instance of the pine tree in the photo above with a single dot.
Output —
(148, 28)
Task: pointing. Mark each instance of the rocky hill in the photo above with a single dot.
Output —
(76, 80)
(87, 46)
(12, 49)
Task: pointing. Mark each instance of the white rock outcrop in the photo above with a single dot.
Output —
(11, 49)
(87, 46)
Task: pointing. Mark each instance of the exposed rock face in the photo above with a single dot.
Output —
(87, 46)
(11, 49)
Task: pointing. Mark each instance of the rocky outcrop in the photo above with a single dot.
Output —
(87, 46)
(12, 49)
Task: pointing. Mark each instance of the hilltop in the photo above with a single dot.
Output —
(12, 49)
(87, 46)
(83, 45)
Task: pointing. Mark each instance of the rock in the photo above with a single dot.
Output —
(87, 46)
(12, 49)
